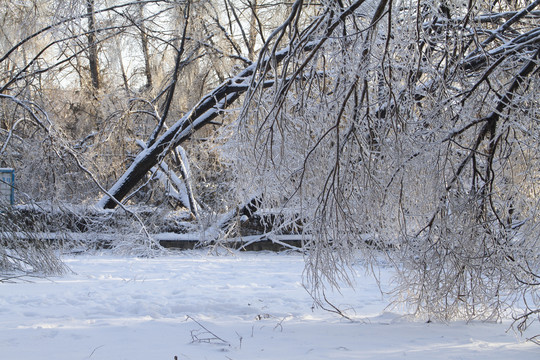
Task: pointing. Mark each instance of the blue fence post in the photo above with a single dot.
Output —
(7, 185)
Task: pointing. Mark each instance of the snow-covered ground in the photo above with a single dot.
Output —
(248, 306)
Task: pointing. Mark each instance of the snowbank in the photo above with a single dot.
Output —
(248, 306)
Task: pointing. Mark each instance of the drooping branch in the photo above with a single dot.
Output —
(490, 123)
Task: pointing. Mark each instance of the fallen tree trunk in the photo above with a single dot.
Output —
(213, 103)
(202, 114)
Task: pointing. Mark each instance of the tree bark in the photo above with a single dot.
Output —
(144, 45)
(92, 45)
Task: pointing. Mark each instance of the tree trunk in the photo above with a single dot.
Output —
(146, 53)
(92, 45)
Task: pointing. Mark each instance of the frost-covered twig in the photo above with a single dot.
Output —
(197, 336)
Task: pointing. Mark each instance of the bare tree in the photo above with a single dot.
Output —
(92, 44)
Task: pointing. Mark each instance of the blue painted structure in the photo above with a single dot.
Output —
(7, 185)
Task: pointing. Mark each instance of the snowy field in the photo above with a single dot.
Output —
(248, 306)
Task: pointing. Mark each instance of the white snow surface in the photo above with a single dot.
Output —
(252, 305)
